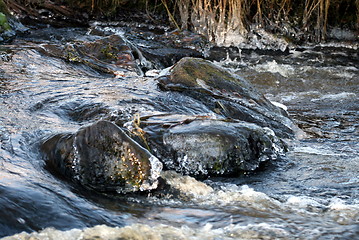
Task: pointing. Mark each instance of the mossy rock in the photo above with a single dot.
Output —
(4, 13)
(102, 157)
(226, 94)
(7, 32)
(110, 54)
(202, 75)
(4, 25)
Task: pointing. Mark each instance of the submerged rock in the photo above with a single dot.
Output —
(102, 157)
(210, 147)
(225, 94)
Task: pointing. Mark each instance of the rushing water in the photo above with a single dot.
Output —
(312, 194)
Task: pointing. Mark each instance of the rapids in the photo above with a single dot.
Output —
(311, 194)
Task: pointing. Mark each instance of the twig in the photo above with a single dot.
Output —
(170, 14)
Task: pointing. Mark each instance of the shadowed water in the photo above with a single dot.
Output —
(311, 194)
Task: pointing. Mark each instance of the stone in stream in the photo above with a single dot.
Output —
(102, 157)
(226, 94)
(110, 54)
(200, 146)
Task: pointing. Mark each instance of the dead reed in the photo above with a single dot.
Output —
(219, 19)
(224, 21)
(215, 19)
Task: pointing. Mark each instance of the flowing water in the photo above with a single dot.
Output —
(311, 194)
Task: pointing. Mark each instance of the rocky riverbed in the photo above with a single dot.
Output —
(71, 97)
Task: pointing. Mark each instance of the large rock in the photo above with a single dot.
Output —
(110, 54)
(225, 94)
(164, 50)
(104, 158)
(209, 147)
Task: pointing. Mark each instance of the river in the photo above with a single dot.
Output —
(313, 193)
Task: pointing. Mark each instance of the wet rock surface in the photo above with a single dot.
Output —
(102, 157)
(211, 147)
(238, 131)
(225, 94)
(110, 54)
(167, 49)
(161, 47)
(215, 123)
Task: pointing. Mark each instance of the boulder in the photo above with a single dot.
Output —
(109, 54)
(164, 50)
(226, 94)
(204, 147)
(102, 157)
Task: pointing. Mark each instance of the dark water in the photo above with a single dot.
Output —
(312, 194)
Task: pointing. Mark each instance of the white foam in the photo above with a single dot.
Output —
(345, 75)
(257, 231)
(353, 45)
(339, 96)
(152, 73)
(315, 151)
(273, 67)
(49, 234)
(161, 231)
(228, 194)
(303, 202)
(186, 184)
(246, 197)
(343, 213)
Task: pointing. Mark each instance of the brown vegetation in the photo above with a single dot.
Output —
(299, 20)
(68, 8)
(288, 17)
(309, 16)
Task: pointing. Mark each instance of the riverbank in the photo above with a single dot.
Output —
(239, 24)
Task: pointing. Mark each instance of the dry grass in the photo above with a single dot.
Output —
(217, 19)
(320, 8)
(220, 20)
(214, 19)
